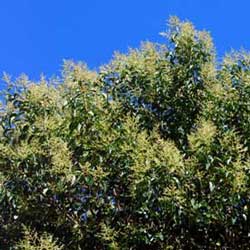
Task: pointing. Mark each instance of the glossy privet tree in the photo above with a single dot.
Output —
(152, 152)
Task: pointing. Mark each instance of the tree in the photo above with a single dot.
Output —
(152, 152)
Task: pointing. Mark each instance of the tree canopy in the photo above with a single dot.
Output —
(150, 152)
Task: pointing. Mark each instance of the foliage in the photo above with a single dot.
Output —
(32, 241)
(152, 152)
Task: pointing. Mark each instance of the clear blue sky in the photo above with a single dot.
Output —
(36, 35)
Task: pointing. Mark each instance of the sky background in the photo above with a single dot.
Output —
(36, 35)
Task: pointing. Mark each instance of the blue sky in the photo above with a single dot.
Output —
(36, 35)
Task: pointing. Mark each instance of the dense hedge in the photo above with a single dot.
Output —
(151, 152)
